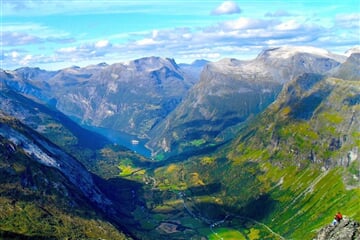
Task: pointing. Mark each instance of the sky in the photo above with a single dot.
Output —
(55, 34)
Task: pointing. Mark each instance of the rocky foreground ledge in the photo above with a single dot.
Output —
(347, 229)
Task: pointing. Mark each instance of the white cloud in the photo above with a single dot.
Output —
(14, 54)
(26, 59)
(93, 50)
(227, 7)
(241, 37)
(102, 44)
(245, 23)
(146, 42)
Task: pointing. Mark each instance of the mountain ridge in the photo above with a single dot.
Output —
(248, 87)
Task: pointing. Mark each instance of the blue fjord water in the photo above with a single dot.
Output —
(124, 139)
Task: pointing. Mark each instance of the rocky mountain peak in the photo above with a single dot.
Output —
(103, 64)
(287, 52)
(28, 73)
(199, 63)
(352, 50)
(347, 229)
(354, 57)
(350, 69)
(153, 63)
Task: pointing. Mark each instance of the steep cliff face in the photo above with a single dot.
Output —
(230, 91)
(349, 69)
(45, 193)
(49, 155)
(347, 229)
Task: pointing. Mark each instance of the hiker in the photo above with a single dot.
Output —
(338, 217)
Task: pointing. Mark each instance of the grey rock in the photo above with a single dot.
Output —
(347, 229)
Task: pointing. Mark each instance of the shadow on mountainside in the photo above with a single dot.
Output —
(39, 202)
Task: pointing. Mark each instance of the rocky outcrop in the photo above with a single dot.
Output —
(347, 229)
(349, 69)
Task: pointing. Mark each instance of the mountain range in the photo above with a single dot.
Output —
(230, 91)
(260, 149)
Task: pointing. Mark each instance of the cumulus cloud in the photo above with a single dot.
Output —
(146, 42)
(88, 50)
(227, 7)
(225, 39)
(16, 57)
(245, 23)
(102, 44)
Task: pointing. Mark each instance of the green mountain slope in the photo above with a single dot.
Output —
(39, 201)
(307, 146)
(287, 173)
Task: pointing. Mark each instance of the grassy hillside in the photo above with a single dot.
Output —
(285, 176)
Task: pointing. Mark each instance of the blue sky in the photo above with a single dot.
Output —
(54, 34)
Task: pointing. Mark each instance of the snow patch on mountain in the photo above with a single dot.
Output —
(287, 52)
(352, 50)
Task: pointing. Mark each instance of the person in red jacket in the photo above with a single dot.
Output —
(338, 217)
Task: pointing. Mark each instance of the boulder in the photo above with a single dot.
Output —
(347, 229)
